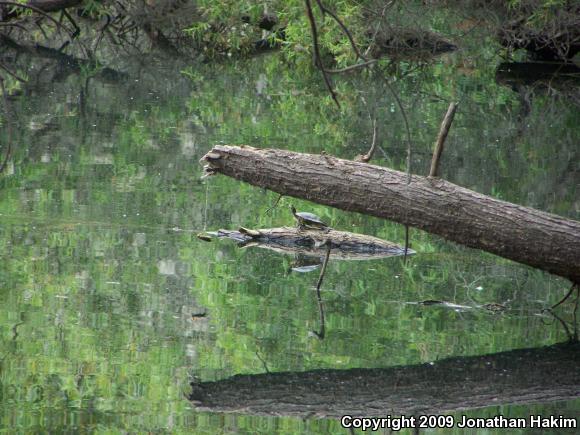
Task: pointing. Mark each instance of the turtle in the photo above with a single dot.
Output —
(308, 220)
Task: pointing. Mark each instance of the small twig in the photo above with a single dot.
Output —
(263, 362)
(562, 322)
(440, 145)
(365, 158)
(269, 209)
(351, 67)
(102, 32)
(37, 23)
(565, 298)
(13, 74)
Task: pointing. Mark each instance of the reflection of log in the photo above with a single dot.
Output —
(519, 377)
(529, 236)
(53, 5)
(402, 42)
(529, 73)
(344, 245)
(559, 39)
(64, 64)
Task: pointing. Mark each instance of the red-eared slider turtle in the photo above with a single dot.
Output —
(308, 220)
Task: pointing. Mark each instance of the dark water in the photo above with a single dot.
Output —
(110, 304)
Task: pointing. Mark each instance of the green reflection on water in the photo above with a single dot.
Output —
(101, 270)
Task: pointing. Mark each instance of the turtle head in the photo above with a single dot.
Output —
(293, 209)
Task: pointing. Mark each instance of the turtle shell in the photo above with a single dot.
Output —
(310, 218)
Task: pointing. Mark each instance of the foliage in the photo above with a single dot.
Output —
(231, 27)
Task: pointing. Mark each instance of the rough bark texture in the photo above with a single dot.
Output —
(517, 377)
(522, 234)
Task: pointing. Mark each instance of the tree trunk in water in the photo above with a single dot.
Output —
(522, 234)
(516, 377)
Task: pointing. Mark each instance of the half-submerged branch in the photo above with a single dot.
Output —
(522, 234)
(518, 377)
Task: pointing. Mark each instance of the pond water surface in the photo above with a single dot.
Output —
(111, 305)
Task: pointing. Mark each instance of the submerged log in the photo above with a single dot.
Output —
(516, 377)
(522, 234)
(312, 243)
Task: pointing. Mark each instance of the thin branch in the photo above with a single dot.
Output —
(562, 322)
(322, 331)
(274, 205)
(263, 362)
(378, 27)
(440, 145)
(317, 57)
(345, 30)
(365, 158)
(565, 298)
(8, 127)
(38, 24)
(323, 270)
(13, 74)
(352, 67)
(102, 33)
(19, 26)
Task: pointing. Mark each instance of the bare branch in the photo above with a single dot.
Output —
(342, 26)
(13, 74)
(8, 127)
(365, 158)
(317, 57)
(440, 145)
(352, 67)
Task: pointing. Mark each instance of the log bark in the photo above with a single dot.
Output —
(521, 376)
(518, 233)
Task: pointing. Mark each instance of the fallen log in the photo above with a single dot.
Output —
(520, 376)
(522, 234)
(312, 243)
